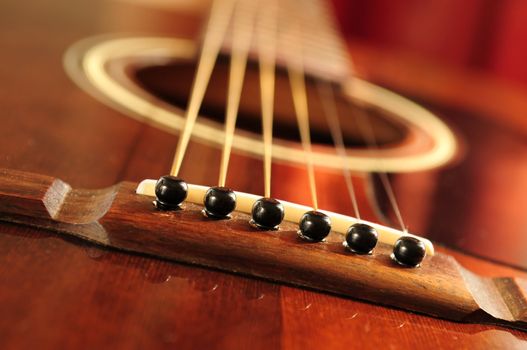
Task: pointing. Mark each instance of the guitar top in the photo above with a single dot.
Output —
(98, 95)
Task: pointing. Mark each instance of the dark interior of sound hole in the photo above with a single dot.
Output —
(172, 83)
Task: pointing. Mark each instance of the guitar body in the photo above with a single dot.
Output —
(57, 291)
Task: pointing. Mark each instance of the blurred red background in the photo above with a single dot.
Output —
(489, 35)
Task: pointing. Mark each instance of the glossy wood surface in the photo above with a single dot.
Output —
(117, 217)
(472, 198)
(58, 292)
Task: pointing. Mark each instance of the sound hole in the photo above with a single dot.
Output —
(172, 83)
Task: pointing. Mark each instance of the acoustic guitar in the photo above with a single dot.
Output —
(231, 174)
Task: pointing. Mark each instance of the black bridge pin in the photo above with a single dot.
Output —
(314, 226)
(361, 238)
(408, 251)
(219, 202)
(267, 214)
(170, 191)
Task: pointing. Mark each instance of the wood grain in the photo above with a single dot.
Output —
(60, 292)
(119, 218)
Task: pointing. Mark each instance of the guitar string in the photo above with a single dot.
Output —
(330, 111)
(295, 69)
(241, 41)
(366, 128)
(266, 36)
(219, 18)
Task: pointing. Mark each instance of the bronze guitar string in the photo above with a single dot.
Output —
(327, 96)
(295, 69)
(241, 42)
(220, 15)
(266, 42)
(267, 37)
(366, 129)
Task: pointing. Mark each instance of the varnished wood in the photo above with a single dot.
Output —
(119, 218)
(488, 116)
(63, 292)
